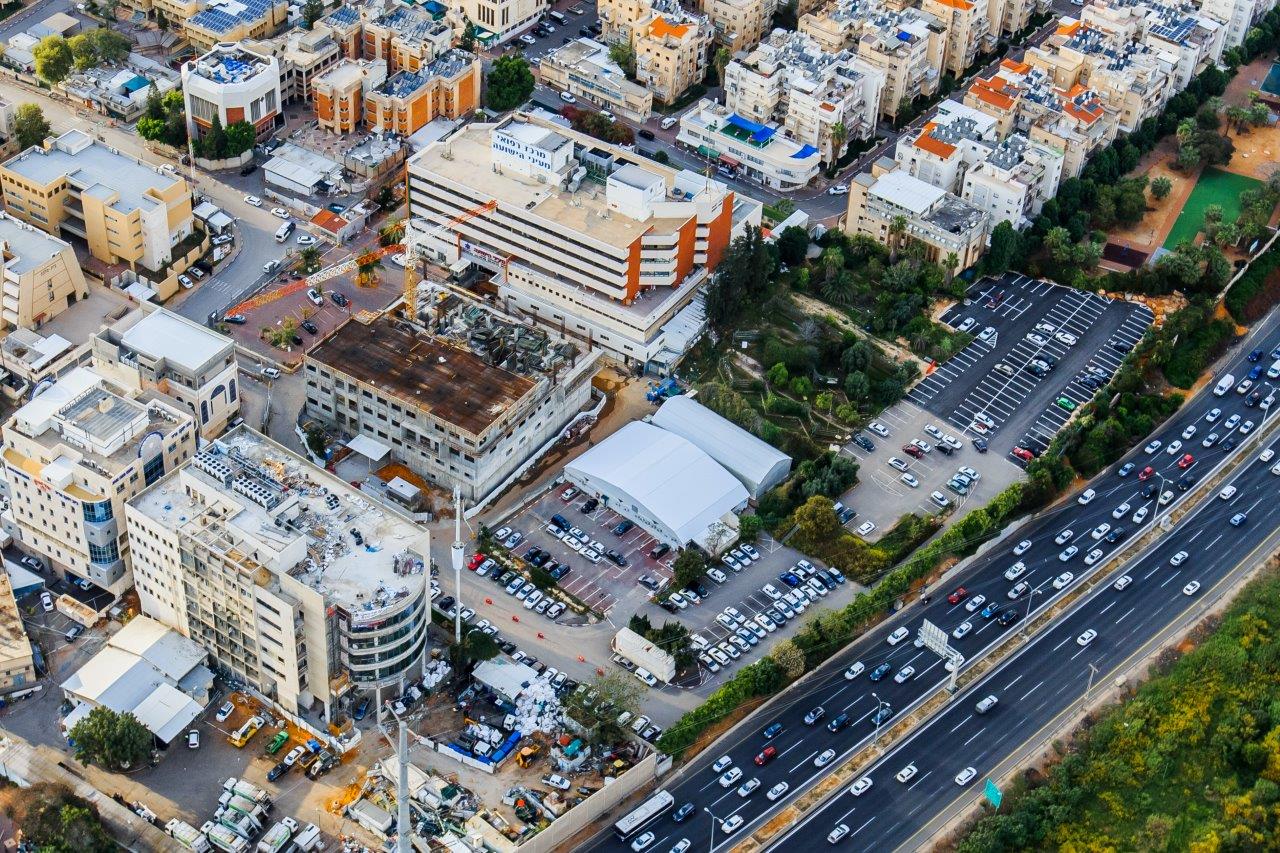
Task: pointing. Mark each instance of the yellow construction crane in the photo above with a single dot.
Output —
(411, 261)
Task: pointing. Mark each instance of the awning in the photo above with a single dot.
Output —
(369, 448)
(729, 161)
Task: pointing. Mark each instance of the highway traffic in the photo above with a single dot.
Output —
(836, 707)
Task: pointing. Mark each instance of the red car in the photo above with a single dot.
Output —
(912, 450)
(958, 596)
(1186, 461)
(1146, 474)
(476, 560)
(1023, 454)
(766, 755)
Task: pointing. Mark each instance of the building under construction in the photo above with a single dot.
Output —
(466, 396)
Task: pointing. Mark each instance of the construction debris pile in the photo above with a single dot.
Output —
(537, 709)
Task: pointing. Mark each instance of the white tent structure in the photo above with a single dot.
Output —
(757, 464)
(660, 481)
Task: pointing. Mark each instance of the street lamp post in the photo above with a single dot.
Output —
(714, 821)
(880, 703)
(1093, 670)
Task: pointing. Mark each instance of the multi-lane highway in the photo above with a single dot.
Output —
(1048, 674)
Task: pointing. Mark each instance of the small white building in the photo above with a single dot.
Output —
(233, 84)
(662, 482)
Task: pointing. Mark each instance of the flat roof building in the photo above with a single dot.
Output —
(470, 401)
(600, 244)
(128, 211)
(446, 87)
(663, 483)
(583, 69)
(42, 277)
(231, 21)
(234, 84)
(290, 578)
(17, 662)
(339, 93)
(761, 152)
(74, 455)
(159, 350)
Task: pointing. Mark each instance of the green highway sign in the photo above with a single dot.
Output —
(993, 793)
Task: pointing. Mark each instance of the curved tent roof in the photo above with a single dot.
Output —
(759, 465)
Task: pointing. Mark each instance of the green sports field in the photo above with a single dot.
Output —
(1214, 187)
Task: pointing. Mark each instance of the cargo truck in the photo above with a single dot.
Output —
(223, 838)
(248, 790)
(278, 836)
(241, 824)
(248, 808)
(187, 835)
(309, 839)
(242, 736)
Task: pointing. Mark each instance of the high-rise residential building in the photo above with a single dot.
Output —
(739, 24)
(950, 228)
(42, 277)
(446, 87)
(811, 93)
(946, 147)
(1237, 16)
(233, 84)
(126, 210)
(760, 152)
(339, 93)
(74, 455)
(296, 583)
(672, 45)
(405, 37)
(1014, 181)
(968, 31)
(583, 69)
(604, 245)
(450, 415)
(156, 349)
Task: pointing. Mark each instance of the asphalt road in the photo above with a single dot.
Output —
(895, 815)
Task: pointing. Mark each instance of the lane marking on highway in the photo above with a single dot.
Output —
(1126, 613)
(1029, 692)
(974, 736)
(864, 826)
(1065, 640)
(1077, 654)
(803, 761)
(922, 778)
(1011, 683)
(1150, 573)
(727, 793)
(1105, 609)
(788, 749)
(961, 723)
(1195, 535)
(1171, 577)
(842, 817)
(1214, 542)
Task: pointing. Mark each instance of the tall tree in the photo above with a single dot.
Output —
(312, 11)
(1006, 246)
(721, 60)
(468, 39)
(1161, 187)
(214, 142)
(115, 741)
(623, 53)
(839, 136)
(30, 126)
(240, 138)
(897, 230)
(54, 60)
(510, 83)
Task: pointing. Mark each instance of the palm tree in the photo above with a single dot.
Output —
(897, 228)
(839, 136)
(309, 258)
(281, 335)
(950, 263)
(391, 233)
(367, 270)
(721, 61)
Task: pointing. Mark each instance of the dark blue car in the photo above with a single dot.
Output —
(772, 730)
(789, 579)
(880, 672)
(683, 812)
(361, 709)
(1255, 371)
(1255, 356)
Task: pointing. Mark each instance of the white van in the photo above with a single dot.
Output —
(558, 18)
(283, 232)
(1273, 372)
(1224, 385)
(668, 122)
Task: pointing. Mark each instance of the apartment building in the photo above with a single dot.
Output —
(956, 140)
(1014, 181)
(346, 27)
(446, 87)
(790, 80)
(42, 277)
(601, 244)
(450, 415)
(1073, 122)
(1236, 16)
(738, 24)
(293, 581)
(759, 152)
(968, 31)
(945, 224)
(672, 44)
(120, 90)
(405, 37)
(339, 93)
(1184, 40)
(30, 360)
(155, 349)
(17, 662)
(74, 455)
(583, 69)
(232, 84)
(126, 210)
(303, 56)
(498, 21)
(232, 21)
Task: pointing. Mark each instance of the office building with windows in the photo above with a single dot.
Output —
(233, 84)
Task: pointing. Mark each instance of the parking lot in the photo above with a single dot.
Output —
(999, 388)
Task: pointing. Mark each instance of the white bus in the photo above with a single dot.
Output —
(658, 804)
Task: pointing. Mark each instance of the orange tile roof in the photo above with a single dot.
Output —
(1088, 112)
(929, 142)
(1069, 29)
(987, 90)
(661, 28)
(956, 4)
(1016, 67)
(328, 220)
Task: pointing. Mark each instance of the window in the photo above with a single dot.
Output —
(108, 553)
(99, 511)
(153, 469)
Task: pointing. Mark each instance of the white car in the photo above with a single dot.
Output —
(1064, 537)
(910, 480)
(866, 528)
(186, 283)
(721, 763)
(1246, 427)
(898, 636)
(647, 677)
(771, 591)
(1213, 414)
(1165, 497)
(731, 823)
(987, 333)
(567, 98)
(824, 758)
(1266, 455)
(253, 201)
(1061, 581)
(1086, 496)
(1122, 582)
(975, 602)
(294, 754)
(1093, 556)
(904, 674)
(193, 739)
(907, 773)
(1068, 552)
(280, 212)
(1178, 559)
(643, 840)
(306, 240)
(840, 831)
(1174, 447)
(961, 630)
(924, 446)
(1153, 446)
(1210, 440)
(1231, 423)
(895, 462)
(1191, 588)
(1141, 515)
(838, 189)
(1015, 571)
(748, 787)
(1189, 431)
(730, 777)
(860, 787)
(854, 671)
(777, 791)
(879, 429)
(1121, 511)
(965, 776)
(46, 602)
(1066, 338)
(528, 39)
(933, 431)
(1087, 637)
(1036, 339)
(1022, 547)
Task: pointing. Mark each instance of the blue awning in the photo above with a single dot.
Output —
(746, 124)
(805, 151)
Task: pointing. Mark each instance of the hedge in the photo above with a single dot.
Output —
(1262, 278)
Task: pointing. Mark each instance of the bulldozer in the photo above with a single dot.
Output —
(529, 754)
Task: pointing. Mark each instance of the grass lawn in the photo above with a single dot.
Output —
(1214, 187)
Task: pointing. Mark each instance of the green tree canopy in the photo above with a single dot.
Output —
(510, 83)
(624, 54)
(30, 125)
(312, 11)
(115, 741)
(240, 138)
(54, 60)
(55, 820)
(98, 47)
